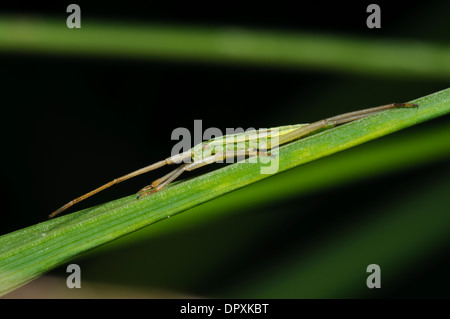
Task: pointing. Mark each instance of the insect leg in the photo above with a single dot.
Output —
(107, 185)
(356, 115)
(337, 120)
(162, 182)
(154, 186)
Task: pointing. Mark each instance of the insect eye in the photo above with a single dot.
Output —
(205, 146)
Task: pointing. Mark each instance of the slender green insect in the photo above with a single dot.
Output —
(217, 149)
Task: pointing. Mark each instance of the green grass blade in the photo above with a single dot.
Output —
(226, 45)
(30, 252)
(385, 156)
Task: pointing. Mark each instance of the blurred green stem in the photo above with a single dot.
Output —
(225, 45)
